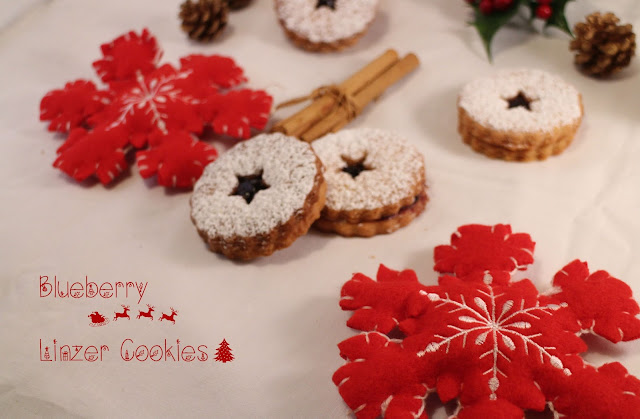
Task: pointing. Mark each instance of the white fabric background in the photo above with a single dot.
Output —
(279, 314)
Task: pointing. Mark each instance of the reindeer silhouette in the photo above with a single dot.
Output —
(174, 312)
(123, 314)
(147, 314)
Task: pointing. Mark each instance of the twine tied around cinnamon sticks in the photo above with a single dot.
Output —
(341, 98)
(334, 106)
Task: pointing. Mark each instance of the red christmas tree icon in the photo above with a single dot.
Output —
(223, 353)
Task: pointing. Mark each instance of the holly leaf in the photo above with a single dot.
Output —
(558, 18)
(488, 25)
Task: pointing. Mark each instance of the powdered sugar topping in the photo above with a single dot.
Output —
(323, 24)
(288, 166)
(395, 166)
(554, 102)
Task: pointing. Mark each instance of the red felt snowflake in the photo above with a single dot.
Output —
(498, 347)
(158, 110)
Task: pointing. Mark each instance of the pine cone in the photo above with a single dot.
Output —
(238, 4)
(204, 20)
(602, 46)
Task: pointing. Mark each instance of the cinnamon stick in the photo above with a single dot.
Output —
(301, 121)
(341, 117)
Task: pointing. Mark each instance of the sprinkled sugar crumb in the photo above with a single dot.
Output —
(288, 166)
(554, 101)
(323, 24)
(396, 166)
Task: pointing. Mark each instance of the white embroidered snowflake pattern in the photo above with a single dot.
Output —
(153, 99)
(498, 347)
(160, 112)
(508, 327)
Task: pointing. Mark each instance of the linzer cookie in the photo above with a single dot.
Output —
(325, 25)
(258, 197)
(375, 182)
(519, 115)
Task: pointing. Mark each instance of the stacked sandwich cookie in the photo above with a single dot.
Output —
(325, 25)
(519, 115)
(375, 182)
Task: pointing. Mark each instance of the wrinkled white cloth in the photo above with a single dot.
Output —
(279, 315)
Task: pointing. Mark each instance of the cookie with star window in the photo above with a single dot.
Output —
(259, 196)
(375, 182)
(325, 25)
(519, 115)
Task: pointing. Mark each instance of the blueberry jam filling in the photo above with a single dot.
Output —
(403, 209)
(249, 186)
(354, 168)
(326, 3)
(520, 101)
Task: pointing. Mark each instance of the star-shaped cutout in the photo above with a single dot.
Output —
(249, 186)
(354, 168)
(520, 100)
(327, 3)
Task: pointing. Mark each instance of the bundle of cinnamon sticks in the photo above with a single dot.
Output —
(335, 106)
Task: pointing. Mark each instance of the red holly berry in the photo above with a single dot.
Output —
(502, 4)
(486, 7)
(545, 1)
(544, 11)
